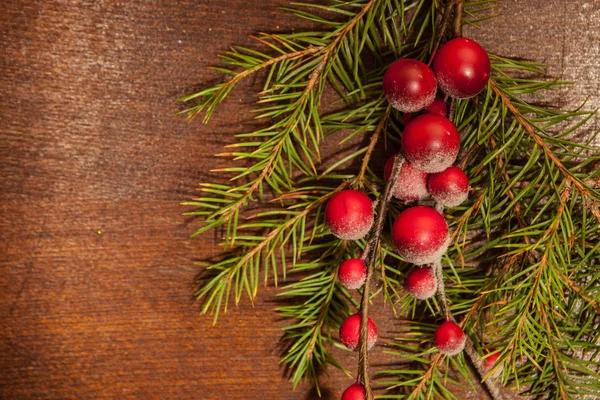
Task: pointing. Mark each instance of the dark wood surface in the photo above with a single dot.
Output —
(96, 264)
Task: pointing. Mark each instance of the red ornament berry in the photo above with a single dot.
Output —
(409, 85)
(350, 332)
(449, 187)
(430, 143)
(462, 68)
(449, 338)
(352, 273)
(355, 392)
(411, 184)
(420, 235)
(421, 283)
(349, 214)
(438, 107)
(490, 360)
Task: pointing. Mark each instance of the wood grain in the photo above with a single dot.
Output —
(96, 264)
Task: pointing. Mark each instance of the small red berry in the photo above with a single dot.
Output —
(350, 332)
(490, 360)
(411, 184)
(437, 107)
(352, 273)
(449, 187)
(355, 392)
(462, 68)
(420, 234)
(430, 143)
(349, 214)
(421, 283)
(449, 338)
(409, 85)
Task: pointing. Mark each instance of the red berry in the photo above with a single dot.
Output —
(449, 187)
(449, 338)
(350, 332)
(411, 184)
(462, 68)
(421, 283)
(438, 107)
(409, 85)
(349, 214)
(430, 143)
(352, 273)
(490, 359)
(355, 392)
(420, 235)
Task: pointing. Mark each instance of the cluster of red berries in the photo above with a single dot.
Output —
(430, 144)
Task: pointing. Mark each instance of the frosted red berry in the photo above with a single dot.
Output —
(449, 187)
(437, 107)
(349, 214)
(411, 184)
(409, 85)
(420, 235)
(421, 283)
(430, 143)
(449, 338)
(352, 273)
(350, 332)
(355, 392)
(490, 359)
(462, 68)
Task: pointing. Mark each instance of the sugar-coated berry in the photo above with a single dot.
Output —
(349, 214)
(352, 273)
(355, 392)
(449, 187)
(490, 359)
(420, 234)
(350, 332)
(430, 143)
(409, 85)
(462, 68)
(437, 107)
(421, 283)
(411, 184)
(449, 338)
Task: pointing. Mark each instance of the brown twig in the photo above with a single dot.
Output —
(373, 245)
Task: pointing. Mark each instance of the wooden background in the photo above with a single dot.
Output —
(96, 264)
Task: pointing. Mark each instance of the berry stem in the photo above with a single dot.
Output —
(372, 247)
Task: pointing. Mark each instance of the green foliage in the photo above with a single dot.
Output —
(522, 274)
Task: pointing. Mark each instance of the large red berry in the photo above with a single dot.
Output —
(449, 187)
(352, 273)
(449, 338)
(421, 283)
(411, 184)
(349, 214)
(462, 68)
(430, 143)
(420, 235)
(409, 85)
(355, 392)
(350, 332)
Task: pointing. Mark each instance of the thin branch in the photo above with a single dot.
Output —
(373, 243)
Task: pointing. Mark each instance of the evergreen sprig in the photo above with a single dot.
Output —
(522, 274)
